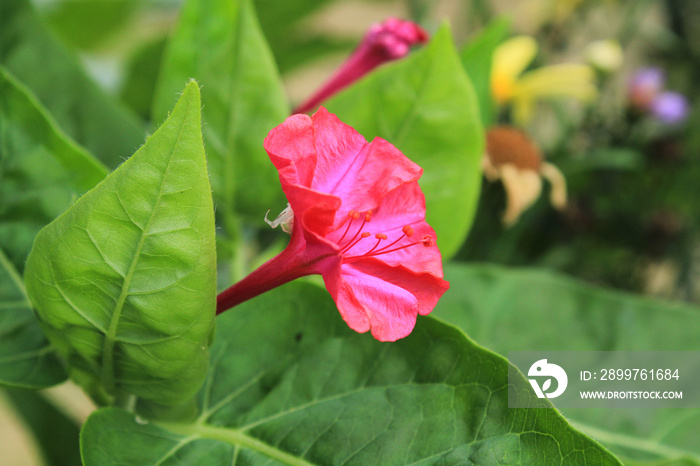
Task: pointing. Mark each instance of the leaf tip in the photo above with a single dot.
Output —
(192, 87)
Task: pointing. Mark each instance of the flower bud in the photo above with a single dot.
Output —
(382, 43)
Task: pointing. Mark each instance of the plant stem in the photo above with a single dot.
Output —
(235, 437)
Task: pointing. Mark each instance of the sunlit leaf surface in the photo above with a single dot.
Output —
(124, 281)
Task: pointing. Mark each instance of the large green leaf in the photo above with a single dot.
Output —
(291, 384)
(537, 310)
(426, 107)
(220, 44)
(42, 171)
(81, 108)
(124, 281)
(477, 56)
(26, 358)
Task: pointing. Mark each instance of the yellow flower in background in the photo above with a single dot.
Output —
(510, 84)
(512, 157)
(604, 55)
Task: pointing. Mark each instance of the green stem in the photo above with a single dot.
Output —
(234, 437)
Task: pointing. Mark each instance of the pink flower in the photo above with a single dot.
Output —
(358, 220)
(383, 42)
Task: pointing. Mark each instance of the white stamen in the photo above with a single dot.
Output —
(285, 219)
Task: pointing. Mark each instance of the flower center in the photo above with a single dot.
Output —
(510, 145)
(355, 225)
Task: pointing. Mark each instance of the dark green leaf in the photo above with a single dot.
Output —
(82, 109)
(280, 22)
(278, 16)
(26, 358)
(89, 23)
(476, 56)
(426, 107)
(295, 51)
(141, 76)
(291, 384)
(220, 44)
(42, 171)
(537, 310)
(124, 281)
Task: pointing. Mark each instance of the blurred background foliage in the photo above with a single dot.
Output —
(632, 215)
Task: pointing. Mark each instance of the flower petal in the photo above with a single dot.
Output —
(555, 177)
(387, 299)
(360, 174)
(314, 212)
(514, 55)
(523, 187)
(322, 153)
(291, 148)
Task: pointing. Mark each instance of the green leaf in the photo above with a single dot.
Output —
(124, 281)
(277, 17)
(26, 358)
(292, 43)
(477, 56)
(291, 384)
(296, 50)
(426, 107)
(42, 171)
(89, 24)
(82, 109)
(221, 45)
(537, 310)
(141, 75)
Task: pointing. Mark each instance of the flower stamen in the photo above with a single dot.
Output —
(426, 241)
(380, 237)
(355, 215)
(352, 215)
(365, 234)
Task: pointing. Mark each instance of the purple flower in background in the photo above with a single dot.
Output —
(383, 42)
(645, 86)
(670, 107)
